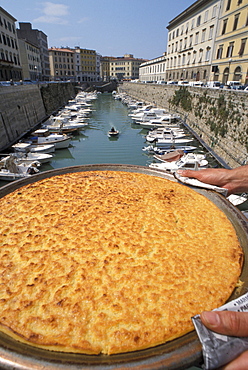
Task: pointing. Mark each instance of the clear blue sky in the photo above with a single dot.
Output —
(111, 27)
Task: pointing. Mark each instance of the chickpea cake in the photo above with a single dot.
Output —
(110, 261)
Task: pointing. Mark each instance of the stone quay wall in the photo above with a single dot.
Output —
(24, 107)
(218, 117)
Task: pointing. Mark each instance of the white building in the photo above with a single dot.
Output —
(37, 38)
(30, 60)
(191, 37)
(153, 70)
(10, 66)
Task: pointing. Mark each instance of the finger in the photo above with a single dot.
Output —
(189, 173)
(226, 322)
(240, 363)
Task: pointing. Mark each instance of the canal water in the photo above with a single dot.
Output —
(93, 146)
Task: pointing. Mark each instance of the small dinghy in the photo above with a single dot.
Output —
(113, 132)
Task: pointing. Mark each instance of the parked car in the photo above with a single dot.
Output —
(213, 84)
(196, 83)
(28, 82)
(183, 83)
(233, 84)
(6, 83)
(172, 82)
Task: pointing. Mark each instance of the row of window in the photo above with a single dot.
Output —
(7, 24)
(64, 73)
(60, 66)
(33, 58)
(8, 41)
(190, 58)
(188, 42)
(32, 49)
(9, 57)
(229, 50)
(33, 67)
(235, 23)
(64, 60)
(63, 53)
(193, 75)
(228, 5)
(156, 68)
(195, 22)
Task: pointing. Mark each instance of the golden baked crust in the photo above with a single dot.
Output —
(109, 262)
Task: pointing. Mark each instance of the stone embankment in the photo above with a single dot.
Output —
(24, 107)
(218, 116)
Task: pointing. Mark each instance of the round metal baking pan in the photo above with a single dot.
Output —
(180, 353)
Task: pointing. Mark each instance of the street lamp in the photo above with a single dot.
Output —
(35, 73)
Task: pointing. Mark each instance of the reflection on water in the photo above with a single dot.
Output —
(92, 145)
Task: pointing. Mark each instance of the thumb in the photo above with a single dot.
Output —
(226, 322)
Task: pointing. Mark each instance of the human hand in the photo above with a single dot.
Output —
(229, 323)
(235, 180)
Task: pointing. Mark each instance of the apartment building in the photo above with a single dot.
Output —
(153, 70)
(105, 68)
(230, 61)
(39, 39)
(124, 68)
(30, 60)
(10, 64)
(88, 65)
(62, 64)
(191, 37)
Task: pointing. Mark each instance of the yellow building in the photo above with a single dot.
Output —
(125, 68)
(230, 62)
(87, 65)
(105, 68)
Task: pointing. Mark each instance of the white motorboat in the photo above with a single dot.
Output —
(11, 170)
(64, 125)
(43, 136)
(168, 142)
(170, 120)
(24, 147)
(30, 157)
(162, 150)
(148, 115)
(165, 133)
(188, 161)
(237, 200)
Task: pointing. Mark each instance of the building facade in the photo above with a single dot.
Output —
(10, 64)
(87, 65)
(105, 68)
(39, 39)
(30, 61)
(124, 68)
(191, 37)
(230, 61)
(153, 70)
(62, 64)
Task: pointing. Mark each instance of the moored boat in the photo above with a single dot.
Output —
(188, 161)
(11, 170)
(43, 136)
(32, 148)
